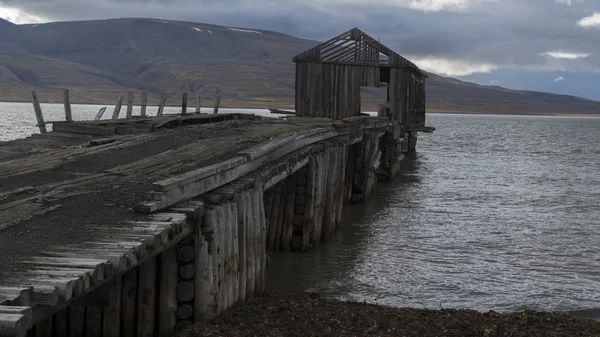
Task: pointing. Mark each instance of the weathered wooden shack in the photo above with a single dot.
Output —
(330, 75)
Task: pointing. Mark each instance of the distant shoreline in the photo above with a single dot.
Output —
(227, 105)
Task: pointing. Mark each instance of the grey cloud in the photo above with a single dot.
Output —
(503, 33)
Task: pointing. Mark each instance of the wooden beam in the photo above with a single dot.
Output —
(217, 104)
(38, 113)
(184, 101)
(100, 114)
(161, 104)
(197, 103)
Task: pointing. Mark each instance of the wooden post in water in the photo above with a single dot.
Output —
(197, 103)
(118, 107)
(161, 104)
(144, 103)
(100, 113)
(217, 103)
(184, 104)
(67, 103)
(129, 105)
(38, 113)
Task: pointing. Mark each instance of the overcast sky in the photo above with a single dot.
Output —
(547, 45)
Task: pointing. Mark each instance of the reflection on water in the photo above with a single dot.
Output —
(494, 213)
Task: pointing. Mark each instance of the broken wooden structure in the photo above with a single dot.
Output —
(141, 226)
(330, 75)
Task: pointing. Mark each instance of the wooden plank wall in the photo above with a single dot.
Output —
(332, 90)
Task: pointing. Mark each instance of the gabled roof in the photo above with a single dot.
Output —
(355, 47)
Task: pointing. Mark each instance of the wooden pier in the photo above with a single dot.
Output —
(143, 225)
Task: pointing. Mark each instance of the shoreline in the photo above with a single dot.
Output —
(310, 315)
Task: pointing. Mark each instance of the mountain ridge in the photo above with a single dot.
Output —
(101, 59)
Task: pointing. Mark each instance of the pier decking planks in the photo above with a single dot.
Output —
(221, 272)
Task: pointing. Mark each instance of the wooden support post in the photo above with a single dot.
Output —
(250, 249)
(308, 227)
(256, 205)
(322, 162)
(242, 208)
(61, 323)
(144, 104)
(117, 110)
(227, 282)
(168, 293)
(100, 114)
(93, 322)
(38, 113)
(329, 212)
(44, 328)
(184, 102)
(77, 318)
(273, 224)
(197, 103)
(235, 262)
(161, 104)
(129, 303)
(288, 220)
(262, 243)
(280, 216)
(210, 302)
(146, 298)
(111, 326)
(67, 103)
(217, 104)
(129, 105)
(202, 277)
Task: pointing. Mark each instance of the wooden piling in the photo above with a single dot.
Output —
(280, 216)
(288, 219)
(184, 101)
(77, 322)
(129, 303)
(250, 247)
(100, 114)
(308, 227)
(93, 322)
(38, 113)
(118, 105)
(144, 104)
(242, 208)
(227, 285)
(201, 277)
(273, 217)
(168, 293)
(217, 104)
(111, 325)
(146, 298)
(322, 161)
(161, 104)
(235, 263)
(67, 104)
(129, 105)
(61, 322)
(262, 242)
(197, 103)
(329, 209)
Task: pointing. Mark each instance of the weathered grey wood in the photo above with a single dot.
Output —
(250, 248)
(186, 253)
(185, 312)
(67, 104)
(93, 321)
(288, 220)
(221, 286)
(38, 113)
(274, 211)
(187, 271)
(201, 277)
(100, 114)
(168, 293)
(144, 104)
(217, 104)
(262, 236)
(256, 228)
(77, 320)
(184, 102)
(12, 325)
(185, 291)
(111, 323)
(129, 105)
(242, 209)
(198, 102)
(129, 302)
(117, 109)
(161, 104)
(44, 327)
(146, 298)
(205, 306)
